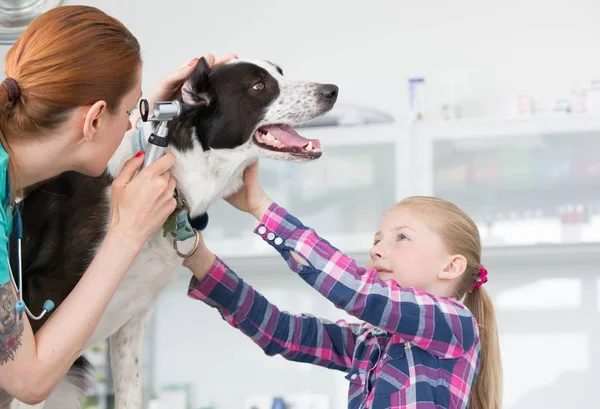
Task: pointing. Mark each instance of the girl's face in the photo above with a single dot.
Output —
(406, 250)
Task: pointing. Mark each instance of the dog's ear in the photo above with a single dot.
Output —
(195, 90)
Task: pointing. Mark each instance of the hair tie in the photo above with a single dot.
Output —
(12, 88)
(481, 278)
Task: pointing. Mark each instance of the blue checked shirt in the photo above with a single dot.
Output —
(412, 351)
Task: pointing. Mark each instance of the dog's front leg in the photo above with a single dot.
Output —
(125, 352)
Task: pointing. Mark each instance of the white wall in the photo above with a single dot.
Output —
(369, 49)
(505, 48)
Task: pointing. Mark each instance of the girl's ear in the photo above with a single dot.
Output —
(455, 267)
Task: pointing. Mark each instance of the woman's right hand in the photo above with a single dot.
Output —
(141, 203)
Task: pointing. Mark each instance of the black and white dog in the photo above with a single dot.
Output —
(244, 110)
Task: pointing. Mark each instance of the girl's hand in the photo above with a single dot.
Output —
(251, 198)
(141, 203)
(201, 261)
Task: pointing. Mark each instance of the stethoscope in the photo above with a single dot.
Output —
(20, 306)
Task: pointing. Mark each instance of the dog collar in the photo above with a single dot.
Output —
(180, 225)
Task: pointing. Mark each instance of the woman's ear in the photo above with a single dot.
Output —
(93, 119)
(455, 267)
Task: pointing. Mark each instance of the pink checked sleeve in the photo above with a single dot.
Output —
(442, 326)
(296, 337)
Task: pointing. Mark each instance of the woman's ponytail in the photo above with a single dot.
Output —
(6, 105)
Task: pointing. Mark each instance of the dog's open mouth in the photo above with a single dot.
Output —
(283, 138)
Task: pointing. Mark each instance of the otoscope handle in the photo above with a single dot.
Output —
(157, 144)
(152, 154)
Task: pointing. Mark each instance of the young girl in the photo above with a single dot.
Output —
(419, 346)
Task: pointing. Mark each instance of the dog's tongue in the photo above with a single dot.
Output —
(286, 135)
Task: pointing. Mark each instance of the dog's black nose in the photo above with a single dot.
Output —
(329, 91)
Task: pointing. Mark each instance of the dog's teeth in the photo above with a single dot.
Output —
(270, 137)
(309, 146)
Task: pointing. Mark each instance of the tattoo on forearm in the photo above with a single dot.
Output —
(11, 324)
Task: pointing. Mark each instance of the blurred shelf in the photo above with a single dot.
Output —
(253, 254)
(493, 168)
(254, 246)
(519, 176)
(345, 115)
(551, 253)
(271, 263)
(507, 126)
(353, 135)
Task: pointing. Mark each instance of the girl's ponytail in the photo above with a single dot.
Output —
(487, 391)
(461, 236)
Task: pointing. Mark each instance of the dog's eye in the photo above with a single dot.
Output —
(259, 86)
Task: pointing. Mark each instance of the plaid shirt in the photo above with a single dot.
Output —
(413, 350)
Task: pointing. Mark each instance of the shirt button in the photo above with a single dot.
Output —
(270, 236)
(278, 241)
(354, 376)
(262, 230)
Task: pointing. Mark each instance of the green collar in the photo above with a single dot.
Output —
(178, 224)
(181, 227)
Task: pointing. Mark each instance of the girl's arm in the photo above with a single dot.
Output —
(300, 338)
(442, 326)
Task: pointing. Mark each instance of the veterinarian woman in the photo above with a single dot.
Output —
(72, 81)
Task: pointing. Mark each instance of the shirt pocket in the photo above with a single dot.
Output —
(393, 383)
(395, 374)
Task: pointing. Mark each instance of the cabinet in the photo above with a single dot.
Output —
(525, 181)
(342, 195)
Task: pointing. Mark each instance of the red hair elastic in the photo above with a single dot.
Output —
(481, 278)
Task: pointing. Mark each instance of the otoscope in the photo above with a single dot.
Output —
(164, 112)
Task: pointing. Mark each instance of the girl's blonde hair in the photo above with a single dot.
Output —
(461, 236)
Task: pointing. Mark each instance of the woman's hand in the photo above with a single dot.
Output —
(251, 198)
(141, 203)
(201, 261)
(169, 88)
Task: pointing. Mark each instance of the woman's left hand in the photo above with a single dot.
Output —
(169, 87)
